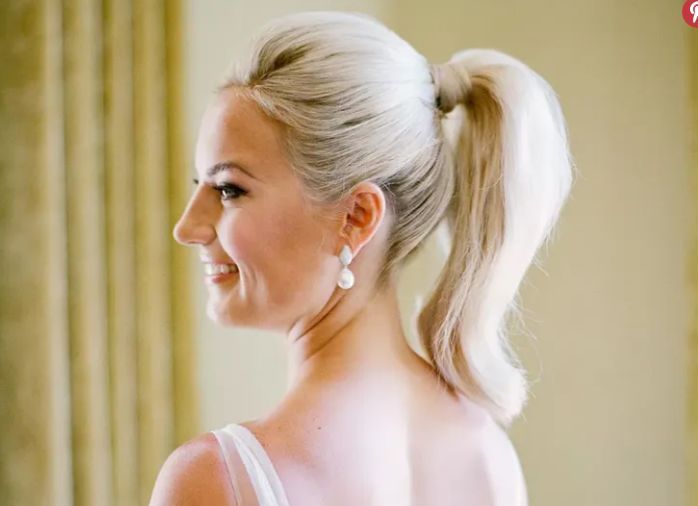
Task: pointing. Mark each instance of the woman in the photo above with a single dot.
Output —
(323, 163)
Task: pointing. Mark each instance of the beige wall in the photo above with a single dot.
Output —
(606, 425)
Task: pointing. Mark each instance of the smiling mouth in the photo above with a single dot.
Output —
(218, 269)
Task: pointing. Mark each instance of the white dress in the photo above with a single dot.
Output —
(239, 444)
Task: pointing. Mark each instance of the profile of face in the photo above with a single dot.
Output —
(249, 209)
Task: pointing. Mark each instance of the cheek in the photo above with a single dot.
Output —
(278, 249)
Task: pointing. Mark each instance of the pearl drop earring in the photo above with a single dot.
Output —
(346, 277)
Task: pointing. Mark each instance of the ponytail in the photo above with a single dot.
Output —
(513, 173)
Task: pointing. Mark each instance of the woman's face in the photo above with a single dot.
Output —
(248, 209)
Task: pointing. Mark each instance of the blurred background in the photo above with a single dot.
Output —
(107, 360)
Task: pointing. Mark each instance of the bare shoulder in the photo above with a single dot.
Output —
(194, 474)
(503, 467)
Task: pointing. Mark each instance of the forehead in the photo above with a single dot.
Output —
(234, 129)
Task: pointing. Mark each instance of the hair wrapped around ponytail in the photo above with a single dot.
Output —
(513, 173)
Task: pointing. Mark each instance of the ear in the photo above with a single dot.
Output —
(364, 212)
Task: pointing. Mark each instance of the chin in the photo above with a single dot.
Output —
(216, 315)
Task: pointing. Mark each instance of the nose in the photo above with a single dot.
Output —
(194, 226)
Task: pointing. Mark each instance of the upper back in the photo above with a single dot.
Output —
(450, 462)
(437, 455)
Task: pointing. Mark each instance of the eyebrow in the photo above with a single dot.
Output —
(220, 166)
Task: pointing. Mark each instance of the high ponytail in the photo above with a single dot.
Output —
(513, 173)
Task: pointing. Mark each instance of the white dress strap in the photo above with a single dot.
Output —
(260, 470)
(231, 456)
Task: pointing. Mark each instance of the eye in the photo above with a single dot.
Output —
(229, 191)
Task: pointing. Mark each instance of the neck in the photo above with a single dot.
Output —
(357, 337)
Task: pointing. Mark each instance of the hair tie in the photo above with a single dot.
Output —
(452, 83)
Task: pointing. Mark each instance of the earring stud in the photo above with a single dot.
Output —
(346, 277)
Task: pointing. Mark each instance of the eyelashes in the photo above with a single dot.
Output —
(227, 191)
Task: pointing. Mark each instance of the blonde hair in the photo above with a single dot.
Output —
(477, 145)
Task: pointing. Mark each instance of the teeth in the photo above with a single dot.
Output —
(213, 269)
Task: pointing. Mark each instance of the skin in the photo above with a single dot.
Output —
(362, 409)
